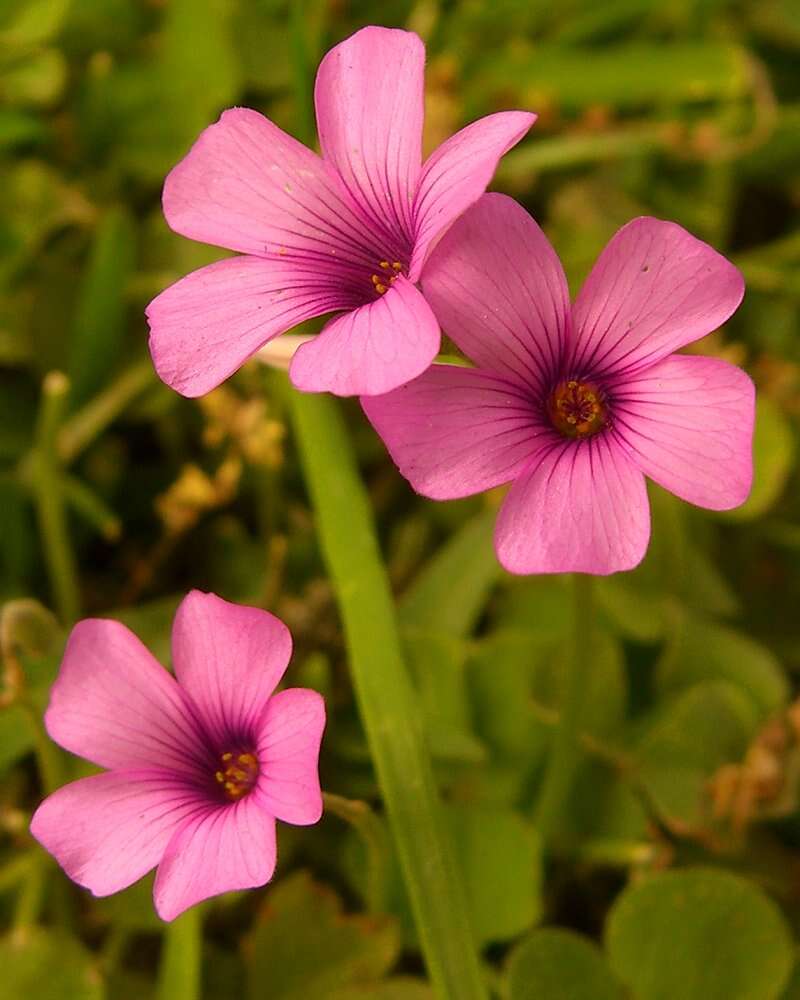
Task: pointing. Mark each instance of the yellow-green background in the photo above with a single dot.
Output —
(674, 872)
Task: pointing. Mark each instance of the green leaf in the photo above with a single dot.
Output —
(556, 964)
(500, 675)
(48, 964)
(34, 202)
(675, 570)
(437, 665)
(450, 592)
(699, 934)
(773, 458)
(18, 128)
(500, 857)
(32, 22)
(690, 738)
(604, 806)
(700, 650)
(630, 608)
(399, 988)
(132, 908)
(193, 77)
(604, 702)
(99, 323)
(37, 79)
(627, 76)
(303, 946)
(792, 991)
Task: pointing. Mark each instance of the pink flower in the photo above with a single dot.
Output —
(347, 232)
(574, 406)
(199, 767)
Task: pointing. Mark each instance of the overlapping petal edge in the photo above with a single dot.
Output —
(575, 504)
(347, 232)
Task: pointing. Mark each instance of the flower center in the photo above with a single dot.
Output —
(237, 774)
(577, 409)
(387, 276)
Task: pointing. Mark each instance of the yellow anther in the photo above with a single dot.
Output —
(384, 264)
(380, 288)
(577, 409)
(397, 266)
(238, 773)
(376, 280)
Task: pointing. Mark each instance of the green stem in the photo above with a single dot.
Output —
(114, 947)
(29, 899)
(565, 751)
(179, 971)
(48, 492)
(49, 759)
(387, 703)
(84, 426)
(304, 98)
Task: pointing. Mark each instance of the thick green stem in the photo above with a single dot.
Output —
(179, 971)
(565, 751)
(387, 703)
(48, 491)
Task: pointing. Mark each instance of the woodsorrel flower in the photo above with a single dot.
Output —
(574, 406)
(347, 232)
(200, 766)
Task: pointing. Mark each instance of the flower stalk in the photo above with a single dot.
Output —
(179, 972)
(565, 749)
(386, 700)
(50, 506)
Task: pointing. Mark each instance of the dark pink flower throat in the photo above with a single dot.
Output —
(237, 774)
(578, 408)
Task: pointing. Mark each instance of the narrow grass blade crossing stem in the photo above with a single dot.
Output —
(385, 697)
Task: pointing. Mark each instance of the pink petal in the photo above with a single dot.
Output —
(499, 291)
(370, 350)
(581, 507)
(654, 288)
(209, 323)
(248, 186)
(456, 174)
(687, 422)
(288, 754)
(229, 658)
(109, 830)
(456, 431)
(115, 705)
(230, 847)
(369, 100)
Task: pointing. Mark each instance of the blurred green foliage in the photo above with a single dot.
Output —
(117, 496)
